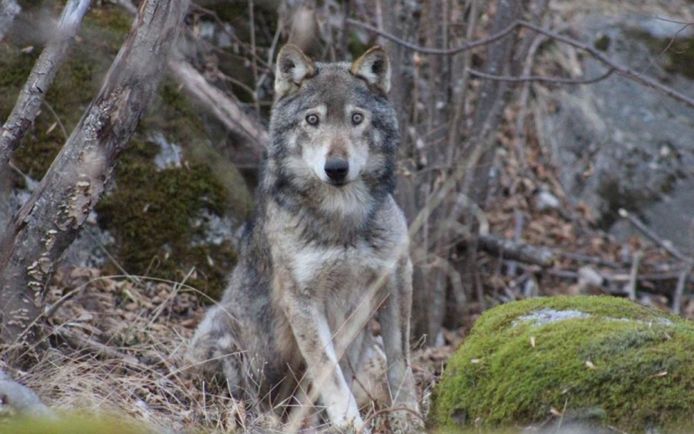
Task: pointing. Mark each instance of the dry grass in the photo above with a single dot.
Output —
(116, 346)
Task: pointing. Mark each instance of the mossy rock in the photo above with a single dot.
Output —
(604, 361)
(71, 425)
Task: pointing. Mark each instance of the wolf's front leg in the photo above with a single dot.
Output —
(394, 317)
(314, 338)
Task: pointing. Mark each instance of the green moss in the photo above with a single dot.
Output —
(173, 112)
(678, 53)
(681, 57)
(629, 365)
(153, 213)
(602, 43)
(71, 425)
(112, 18)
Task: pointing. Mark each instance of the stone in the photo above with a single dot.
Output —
(590, 362)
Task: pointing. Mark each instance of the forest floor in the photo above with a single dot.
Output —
(116, 343)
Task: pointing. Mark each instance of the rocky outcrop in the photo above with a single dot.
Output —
(617, 144)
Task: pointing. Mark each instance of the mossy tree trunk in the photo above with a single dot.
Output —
(50, 220)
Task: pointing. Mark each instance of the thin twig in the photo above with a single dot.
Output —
(633, 275)
(580, 257)
(254, 63)
(85, 343)
(520, 135)
(542, 79)
(679, 290)
(437, 51)
(57, 119)
(620, 69)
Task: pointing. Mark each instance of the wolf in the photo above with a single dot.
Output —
(326, 250)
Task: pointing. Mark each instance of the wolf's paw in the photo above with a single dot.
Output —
(405, 422)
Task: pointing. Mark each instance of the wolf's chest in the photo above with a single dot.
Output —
(332, 268)
(321, 262)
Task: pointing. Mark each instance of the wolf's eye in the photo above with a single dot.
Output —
(357, 118)
(312, 119)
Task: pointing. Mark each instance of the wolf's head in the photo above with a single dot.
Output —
(334, 133)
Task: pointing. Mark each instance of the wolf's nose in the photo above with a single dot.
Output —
(336, 169)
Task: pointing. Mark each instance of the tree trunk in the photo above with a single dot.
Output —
(52, 217)
(40, 79)
(30, 98)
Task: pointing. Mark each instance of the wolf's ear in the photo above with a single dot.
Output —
(374, 67)
(293, 66)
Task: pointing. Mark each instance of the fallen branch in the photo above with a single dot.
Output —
(620, 279)
(82, 342)
(516, 251)
(40, 79)
(18, 399)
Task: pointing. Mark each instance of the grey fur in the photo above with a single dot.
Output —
(318, 258)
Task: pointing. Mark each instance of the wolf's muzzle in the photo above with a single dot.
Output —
(337, 169)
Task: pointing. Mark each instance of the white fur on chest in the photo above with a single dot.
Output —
(350, 265)
(326, 268)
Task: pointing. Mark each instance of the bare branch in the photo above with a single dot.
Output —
(539, 78)
(437, 51)
(645, 230)
(633, 275)
(618, 68)
(40, 79)
(222, 106)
